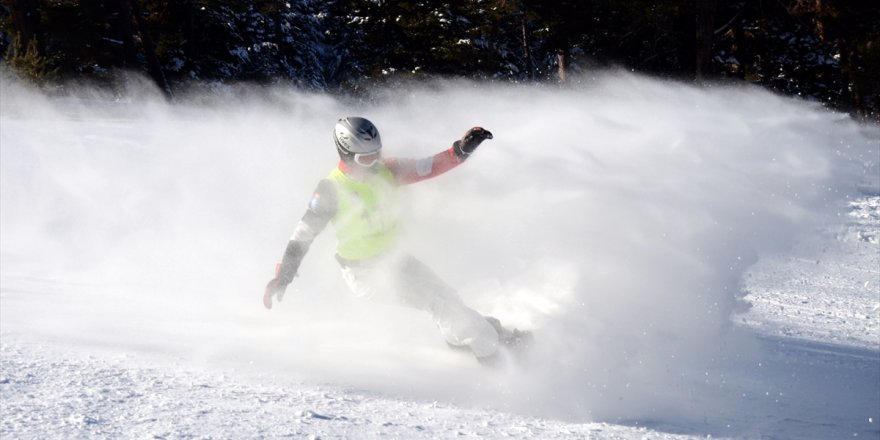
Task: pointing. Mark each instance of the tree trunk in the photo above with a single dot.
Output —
(527, 51)
(562, 58)
(153, 66)
(125, 32)
(190, 45)
(686, 50)
(819, 22)
(740, 52)
(705, 36)
(284, 51)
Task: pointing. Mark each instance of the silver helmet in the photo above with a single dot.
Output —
(357, 138)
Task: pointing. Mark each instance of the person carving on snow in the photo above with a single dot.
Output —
(359, 197)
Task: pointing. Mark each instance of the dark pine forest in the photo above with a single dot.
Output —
(822, 50)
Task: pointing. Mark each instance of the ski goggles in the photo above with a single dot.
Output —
(367, 159)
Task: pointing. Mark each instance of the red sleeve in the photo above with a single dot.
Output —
(408, 171)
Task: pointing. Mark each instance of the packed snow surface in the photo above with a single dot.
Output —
(693, 262)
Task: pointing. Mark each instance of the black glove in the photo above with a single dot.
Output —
(470, 141)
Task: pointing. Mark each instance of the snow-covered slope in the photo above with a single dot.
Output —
(55, 393)
(629, 222)
(826, 289)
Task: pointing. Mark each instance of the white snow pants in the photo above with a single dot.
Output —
(402, 279)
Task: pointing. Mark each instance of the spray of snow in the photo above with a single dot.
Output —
(614, 218)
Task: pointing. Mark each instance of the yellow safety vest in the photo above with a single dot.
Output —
(367, 215)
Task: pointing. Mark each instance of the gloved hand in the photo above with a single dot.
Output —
(274, 288)
(470, 141)
(285, 271)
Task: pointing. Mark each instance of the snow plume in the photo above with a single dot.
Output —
(614, 218)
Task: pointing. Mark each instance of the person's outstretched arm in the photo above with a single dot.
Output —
(408, 171)
(322, 208)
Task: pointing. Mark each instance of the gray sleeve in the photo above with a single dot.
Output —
(322, 208)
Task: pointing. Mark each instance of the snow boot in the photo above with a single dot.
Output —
(515, 340)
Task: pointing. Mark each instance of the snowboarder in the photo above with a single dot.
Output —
(359, 197)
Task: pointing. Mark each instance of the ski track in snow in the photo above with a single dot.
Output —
(825, 290)
(84, 354)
